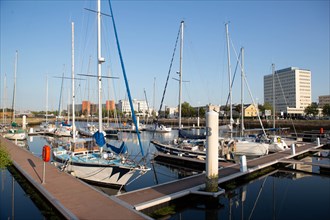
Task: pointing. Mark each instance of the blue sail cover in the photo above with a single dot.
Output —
(99, 138)
(65, 124)
(186, 135)
(121, 150)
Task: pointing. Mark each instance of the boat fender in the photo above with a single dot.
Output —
(46, 153)
(105, 156)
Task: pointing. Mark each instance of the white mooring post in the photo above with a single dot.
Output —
(243, 167)
(24, 122)
(212, 152)
(293, 149)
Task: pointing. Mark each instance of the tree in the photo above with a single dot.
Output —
(326, 110)
(267, 106)
(201, 112)
(187, 110)
(167, 113)
(311, 109)
(238, 108)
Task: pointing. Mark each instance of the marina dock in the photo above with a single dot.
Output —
(73, 198)
(77, 200)
(146, 198)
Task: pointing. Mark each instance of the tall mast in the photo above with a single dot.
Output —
(46, 98)
(180, 73)
(229, 75)
(274, 115)
(72, 80)
(14, 93)
(100, 60)
(4, 98)
(153, 98)
(242, 91)
(61, 91)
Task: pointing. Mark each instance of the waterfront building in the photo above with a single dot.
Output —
(250, 110)
(110, 105)
(293, 90)
(172, 112)
(323, 100)
(140, 107)
(86, 107)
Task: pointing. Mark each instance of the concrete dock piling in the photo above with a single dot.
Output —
(212, 152)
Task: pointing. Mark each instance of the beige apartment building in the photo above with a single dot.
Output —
(293, 92)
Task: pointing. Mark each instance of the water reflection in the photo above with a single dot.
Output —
(271, 197)
(20, 201)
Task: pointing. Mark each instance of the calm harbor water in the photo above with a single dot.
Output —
(287, 194)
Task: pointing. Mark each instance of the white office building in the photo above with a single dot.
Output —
(140, 107)
(293, 91)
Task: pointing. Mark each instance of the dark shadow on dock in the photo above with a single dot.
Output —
(33, 166)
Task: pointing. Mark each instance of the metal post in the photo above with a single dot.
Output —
(293, 149)
(44, 174)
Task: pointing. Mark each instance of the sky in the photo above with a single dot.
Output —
(286, 33)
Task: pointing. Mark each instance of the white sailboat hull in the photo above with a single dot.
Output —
(106, 175)
(159, 129)
(63, 132)
(277, 144)
(15, 136)
(248, 148)
(98, 173)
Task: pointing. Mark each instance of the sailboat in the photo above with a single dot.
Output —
(159, 127)
(15, 132)
(92, 159)
(186, 145)
(276, 143)
(243, 146)
(45, 125)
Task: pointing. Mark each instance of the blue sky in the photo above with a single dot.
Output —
(286, 33)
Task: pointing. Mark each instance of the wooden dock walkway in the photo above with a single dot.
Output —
(72, 197)
(77, 200)
(148, 197)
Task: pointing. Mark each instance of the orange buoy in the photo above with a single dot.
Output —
(321, 131)
(46, 153)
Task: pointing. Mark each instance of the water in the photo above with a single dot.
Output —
(19, 199)
(279, 195)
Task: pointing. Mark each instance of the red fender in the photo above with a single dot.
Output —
(46, 153)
